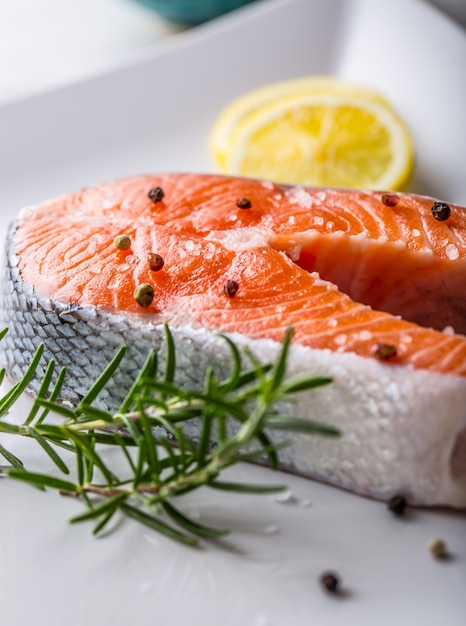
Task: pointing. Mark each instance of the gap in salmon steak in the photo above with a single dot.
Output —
(417, 286)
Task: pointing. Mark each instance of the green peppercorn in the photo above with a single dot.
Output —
(122, 242)
(438, 548)
(144, 294)
(385, 351)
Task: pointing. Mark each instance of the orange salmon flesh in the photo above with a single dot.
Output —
(346, 271)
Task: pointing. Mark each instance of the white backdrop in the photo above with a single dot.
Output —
(47, 43)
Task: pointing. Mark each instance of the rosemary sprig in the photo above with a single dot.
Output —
(160, 460)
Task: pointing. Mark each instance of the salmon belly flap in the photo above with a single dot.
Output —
(374, 293)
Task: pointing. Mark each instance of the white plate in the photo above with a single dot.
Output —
(154, 115)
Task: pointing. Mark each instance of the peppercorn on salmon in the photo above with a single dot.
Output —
(372, 284)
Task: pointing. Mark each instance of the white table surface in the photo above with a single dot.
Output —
(48, 43)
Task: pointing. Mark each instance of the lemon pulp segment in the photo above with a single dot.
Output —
(320, 131)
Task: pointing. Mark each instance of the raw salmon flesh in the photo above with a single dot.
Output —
(373, 286)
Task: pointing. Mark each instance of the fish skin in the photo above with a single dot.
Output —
(403, 428)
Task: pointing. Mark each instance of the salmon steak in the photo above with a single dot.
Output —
(372, 283)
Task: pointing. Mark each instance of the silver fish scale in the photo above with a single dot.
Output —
(84, 340)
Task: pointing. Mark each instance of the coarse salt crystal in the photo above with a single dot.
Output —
(415, 232)
(286, 496)
(92, 247)
(318, 220)
(295, 252)
(302, 197)
(393, 392)
(452, 252)
(340, 340)
(209, 250)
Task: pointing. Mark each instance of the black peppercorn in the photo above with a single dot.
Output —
(156, 194)
(441, 211)
(244, 203)
(397, 504)
(330, 582)
(230, 288)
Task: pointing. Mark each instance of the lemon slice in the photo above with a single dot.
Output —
(315, 131)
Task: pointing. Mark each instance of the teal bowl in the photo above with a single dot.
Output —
(192, 12)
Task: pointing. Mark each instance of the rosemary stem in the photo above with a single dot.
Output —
(151, 412)
(248, 398)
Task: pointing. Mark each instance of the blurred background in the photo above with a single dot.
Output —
(48, 43)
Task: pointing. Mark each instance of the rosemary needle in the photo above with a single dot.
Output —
(157, 470)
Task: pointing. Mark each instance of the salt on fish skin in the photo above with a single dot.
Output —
(379, 453)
